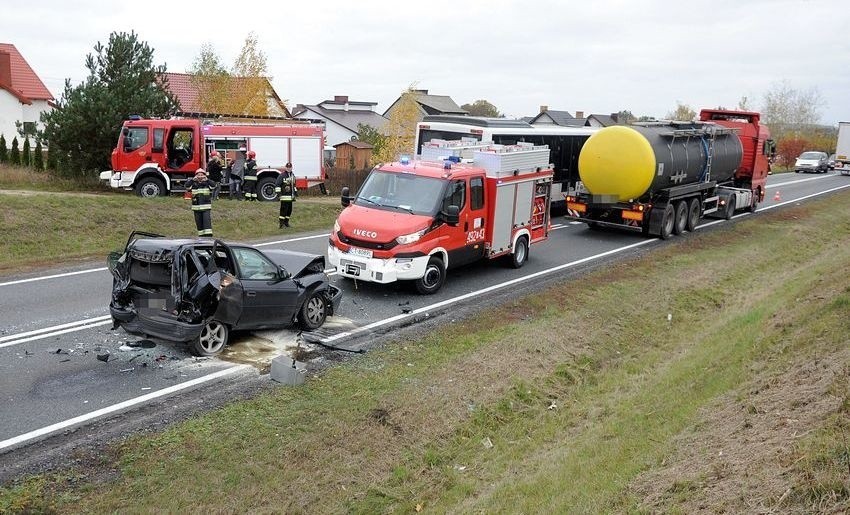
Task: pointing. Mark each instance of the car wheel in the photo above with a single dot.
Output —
(150, 187)
(681, 217)
(314, 312)
(693, 214)
(667, 222)
(265, 189)
(214, 336)
(433, 278)
(520, 253)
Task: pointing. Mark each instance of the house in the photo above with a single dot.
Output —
(429, 104)
(187, 91)
(23, 96)
(601, 120)
(353, 155)
(341, 117)
(562, 118)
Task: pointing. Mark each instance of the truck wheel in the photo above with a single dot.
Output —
(681, 221)
(693, 215)
(730, 208)
(755, 202)
(214, 336)
(520, 253)
(150, 187)
(433, 278)
(265, 189)
(667, 222)
(313, 312)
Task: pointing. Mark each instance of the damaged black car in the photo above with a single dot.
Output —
(199, 291)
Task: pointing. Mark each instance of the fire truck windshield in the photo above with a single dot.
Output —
(399, 191)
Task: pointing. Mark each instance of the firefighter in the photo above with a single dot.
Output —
(237, 171)
(214, 169)
(201, 189)
(285, 187)
(251, 176)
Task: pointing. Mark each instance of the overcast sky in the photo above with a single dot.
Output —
(596, 56)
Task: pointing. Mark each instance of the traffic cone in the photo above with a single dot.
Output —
(777, 197)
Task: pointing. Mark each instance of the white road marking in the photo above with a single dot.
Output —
(52, 328)
(54, 333)
(798, 181)
(65, 424)
(42, 278)
(291, 240)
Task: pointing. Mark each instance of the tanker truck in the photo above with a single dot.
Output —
(660, 178)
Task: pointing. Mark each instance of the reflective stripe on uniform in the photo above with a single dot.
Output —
(277, 189)
(286, 198)
(202, 207)
(201, 191)
(250, 177)
(205, 232)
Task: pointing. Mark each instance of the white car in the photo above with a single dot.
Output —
(812, 161)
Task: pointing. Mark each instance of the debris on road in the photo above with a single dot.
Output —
(103, 357)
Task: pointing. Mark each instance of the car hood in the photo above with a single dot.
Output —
(297, 263)
(379, 225)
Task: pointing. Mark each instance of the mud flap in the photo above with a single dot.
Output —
(656, 219)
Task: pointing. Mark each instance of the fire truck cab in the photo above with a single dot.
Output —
(156, 157)
(413, 220)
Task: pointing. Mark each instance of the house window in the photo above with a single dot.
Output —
(29, 128)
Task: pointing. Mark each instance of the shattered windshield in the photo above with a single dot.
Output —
(400, 191)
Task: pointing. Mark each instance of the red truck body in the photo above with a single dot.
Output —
(155, 157)
(401, 226)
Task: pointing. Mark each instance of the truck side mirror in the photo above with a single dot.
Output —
(453, 215)
(346, 200)
(125, 131)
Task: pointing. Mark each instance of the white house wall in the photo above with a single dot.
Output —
(12, 110)
(334, 132)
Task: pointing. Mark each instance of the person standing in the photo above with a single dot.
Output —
(201, 188)
(237, 172)
(214, 169)
(251, 176)
(285, 187)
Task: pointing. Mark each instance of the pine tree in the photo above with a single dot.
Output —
(26, 155)
(52, 159)
(38, 156)
(4, 152)
(15, 154)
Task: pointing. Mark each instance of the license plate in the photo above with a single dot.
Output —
(354, 251)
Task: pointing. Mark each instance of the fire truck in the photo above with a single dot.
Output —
(413, 220)
(156, 157)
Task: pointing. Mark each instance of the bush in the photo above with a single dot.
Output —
(26, 155)
(4, 152)
(52, 158)
(38, 156)
(15, 154)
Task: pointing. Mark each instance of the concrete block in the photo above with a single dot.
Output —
(286, 370)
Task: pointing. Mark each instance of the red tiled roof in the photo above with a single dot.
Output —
(186, 92)
(25, 82)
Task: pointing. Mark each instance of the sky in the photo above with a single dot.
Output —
(598, 56)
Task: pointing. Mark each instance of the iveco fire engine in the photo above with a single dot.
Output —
(413, 220)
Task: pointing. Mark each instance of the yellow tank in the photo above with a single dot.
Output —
(617, 161)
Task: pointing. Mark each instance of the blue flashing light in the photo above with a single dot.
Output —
(447, 164)
(454, 159)
(405, 160)
(135, 117)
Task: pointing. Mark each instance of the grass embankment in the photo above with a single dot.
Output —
(582, 398)
(44, 228)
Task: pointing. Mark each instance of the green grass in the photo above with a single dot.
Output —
(560, 401)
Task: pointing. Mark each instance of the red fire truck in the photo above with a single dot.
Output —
(412, 220)
(155, 157)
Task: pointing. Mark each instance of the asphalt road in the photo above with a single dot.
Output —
(54, 326)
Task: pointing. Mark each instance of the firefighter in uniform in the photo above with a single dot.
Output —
(251, 176)
(201, 189)
(285, 187)
(214, 171)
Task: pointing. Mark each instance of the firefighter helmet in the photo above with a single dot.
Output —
(214, 153)
(251, 154)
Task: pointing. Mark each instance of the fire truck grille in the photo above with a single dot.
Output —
(366, 244)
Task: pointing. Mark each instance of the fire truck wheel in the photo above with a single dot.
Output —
(265, 188)
(667, 222)
(149, 187)
(681, 217)
(693, 215)
(434, 277)
(520, 253)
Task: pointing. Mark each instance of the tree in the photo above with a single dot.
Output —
(26, 154)
(744, 104)
(38, 156)
(790, 147)
(372, 136)
(625, 117)
(122, 80)
(52, 159)
(4, 151)
(683, 112)
(212, 81)
(482, 108)
(15, 154)
(401, 126)
(790, 112)
(250, 70)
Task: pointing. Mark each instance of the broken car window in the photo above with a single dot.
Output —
(253, 265)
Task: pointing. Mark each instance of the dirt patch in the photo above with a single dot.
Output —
(740, 455)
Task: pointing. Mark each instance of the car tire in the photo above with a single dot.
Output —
(681, 221)
(212, 340)
(266, 189)
(150, 187)
(433, 278)
(693, 215)
(520, 254)
(667, 222)
(313, 312)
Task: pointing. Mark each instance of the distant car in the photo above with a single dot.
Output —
(830, 163)
(198, 291)
(812, 161)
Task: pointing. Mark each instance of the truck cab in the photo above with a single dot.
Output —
(412, 220)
